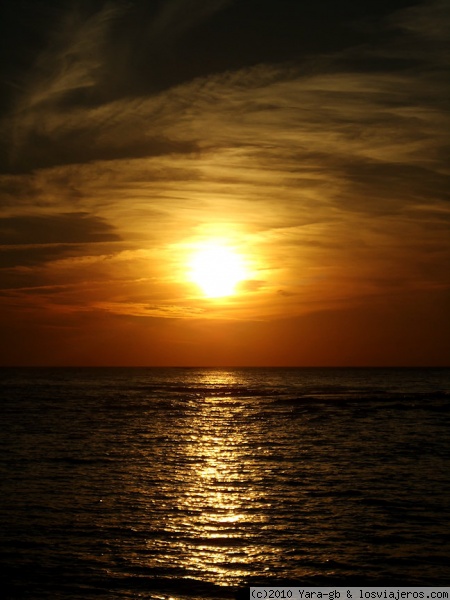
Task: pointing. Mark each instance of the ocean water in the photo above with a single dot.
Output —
(195, 483)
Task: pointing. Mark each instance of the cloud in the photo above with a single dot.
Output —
(32, 256)
(65, 148)
(66, 228)
(69, 64)
(36, 239)
(65, 110)
(136, 309)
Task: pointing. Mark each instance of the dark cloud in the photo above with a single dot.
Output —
(67, 228)
(31, 240)
(32, 257)
(42, 151)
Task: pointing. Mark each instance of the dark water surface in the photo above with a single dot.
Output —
(193, 483)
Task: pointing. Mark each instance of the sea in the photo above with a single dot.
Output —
(196, 483)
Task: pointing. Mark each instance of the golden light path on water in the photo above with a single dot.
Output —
(220, 494)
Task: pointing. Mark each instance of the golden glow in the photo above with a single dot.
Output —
(213, 539)
(217, 269)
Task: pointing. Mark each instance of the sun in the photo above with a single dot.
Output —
(216, 269)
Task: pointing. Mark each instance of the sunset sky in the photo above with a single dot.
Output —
(309, 138)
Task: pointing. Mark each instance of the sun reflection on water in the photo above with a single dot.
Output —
(215, 543)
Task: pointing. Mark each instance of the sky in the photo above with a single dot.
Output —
(310, 138)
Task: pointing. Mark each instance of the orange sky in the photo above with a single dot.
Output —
(329, 176)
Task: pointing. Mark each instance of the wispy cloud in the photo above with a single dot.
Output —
(52, 122)
(71, 63)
